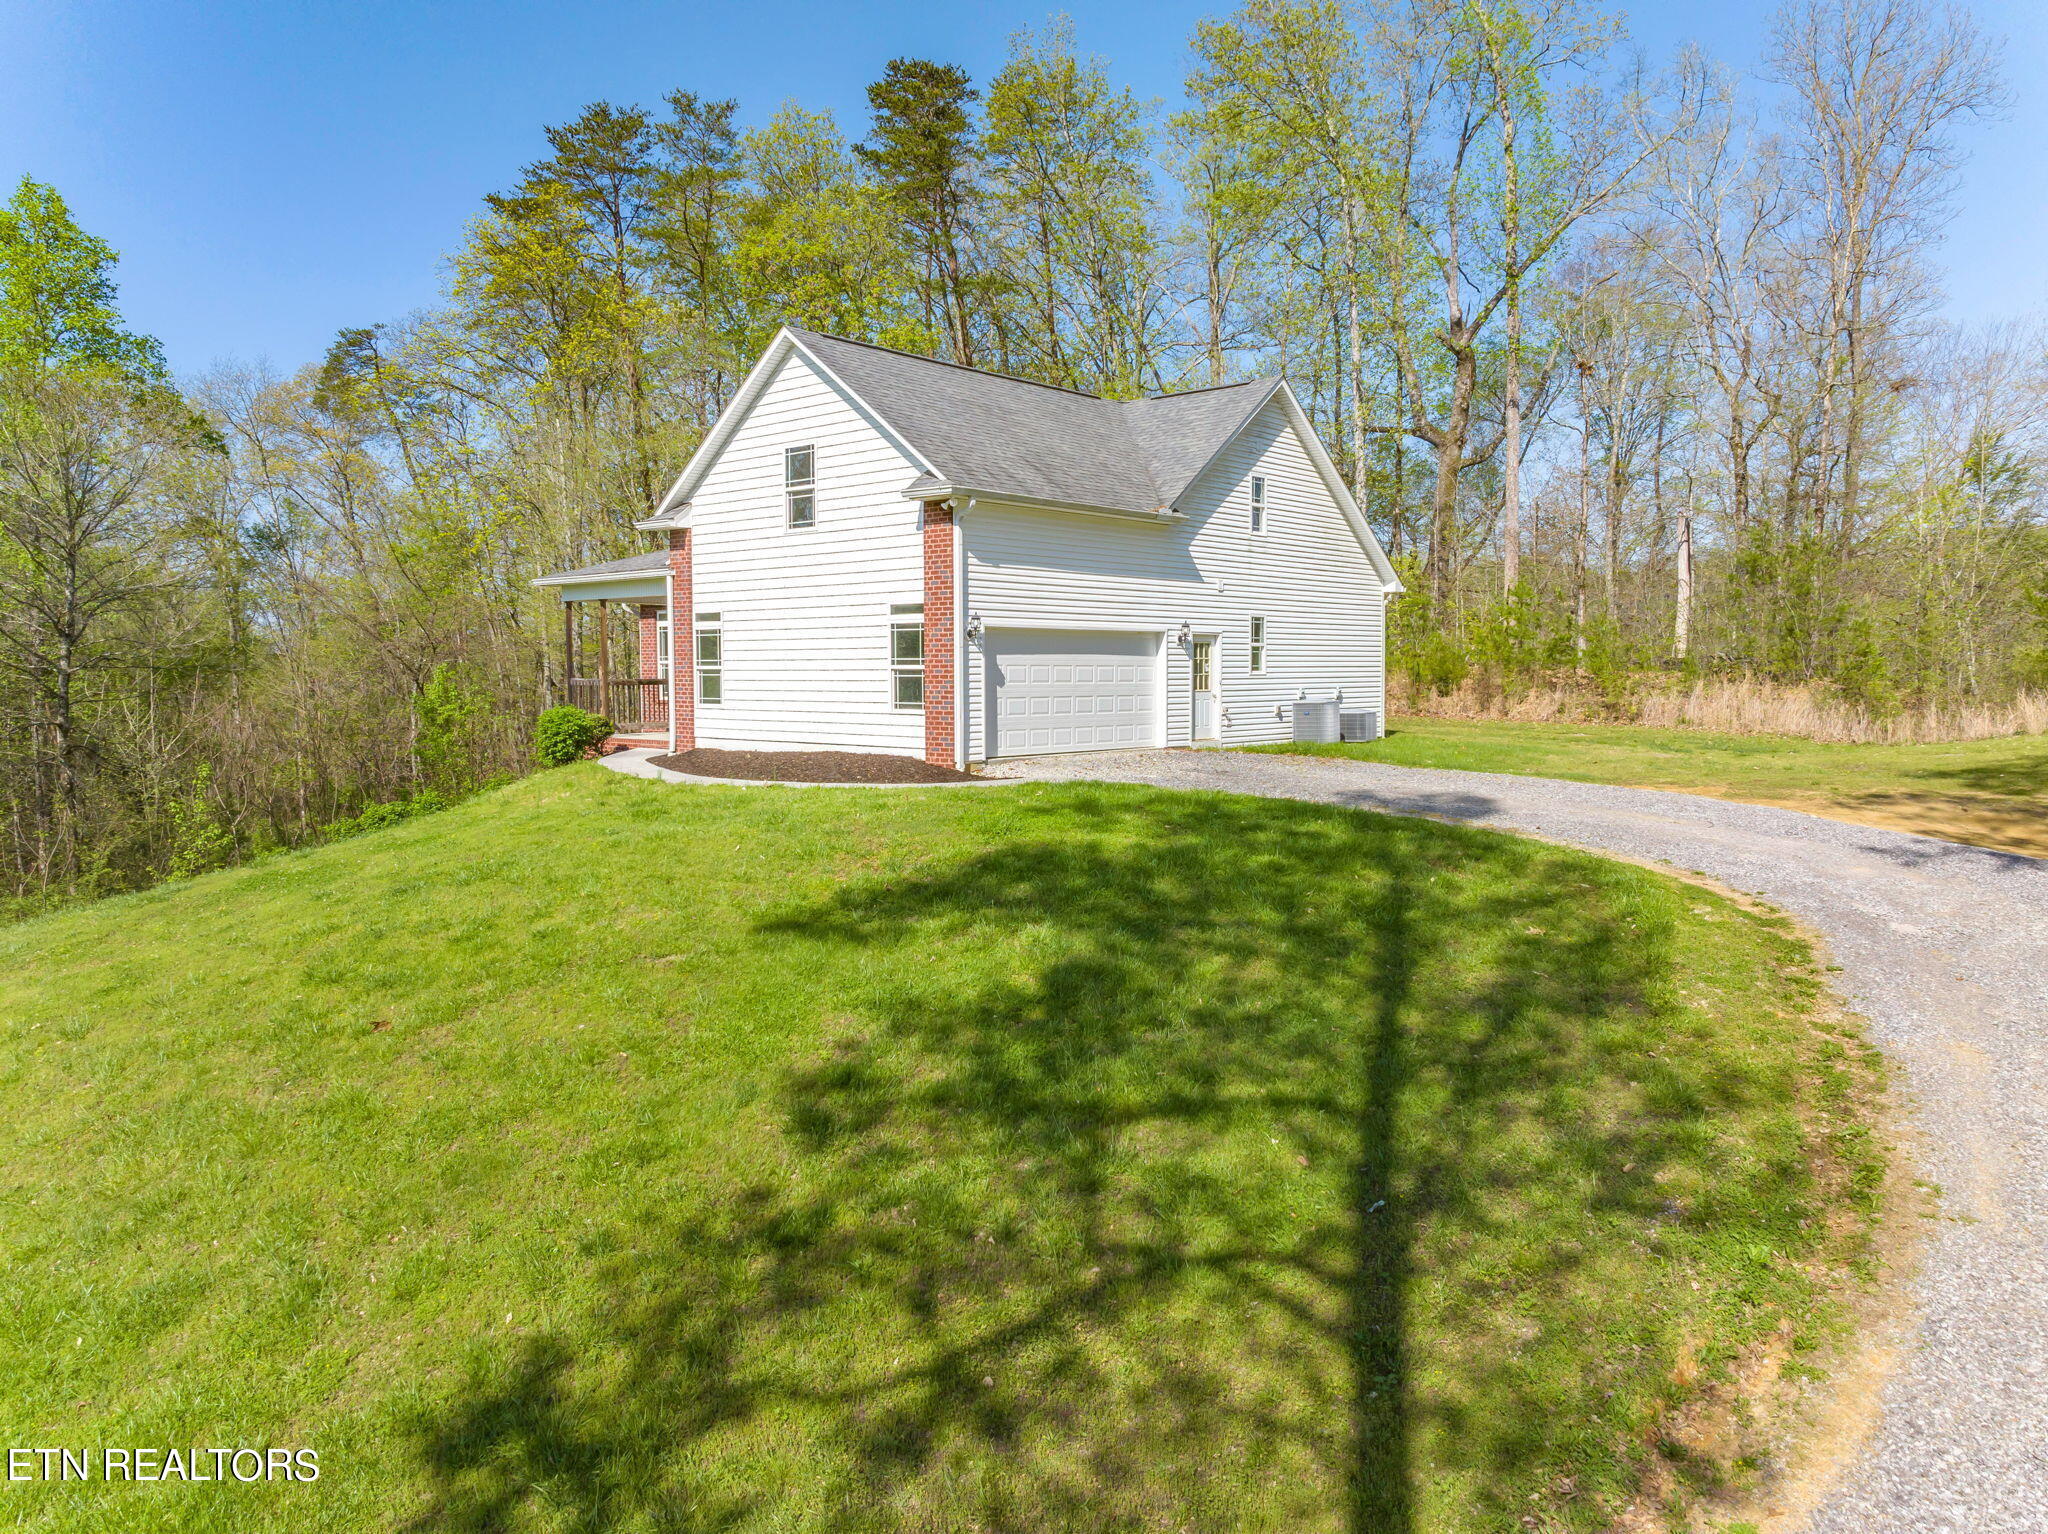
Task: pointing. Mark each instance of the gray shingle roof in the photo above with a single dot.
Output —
(1001, 435)
(632, 564)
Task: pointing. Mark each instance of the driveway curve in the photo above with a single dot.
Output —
(1944, 949)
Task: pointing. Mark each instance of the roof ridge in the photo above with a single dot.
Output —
(1242, 383)
(944, 362)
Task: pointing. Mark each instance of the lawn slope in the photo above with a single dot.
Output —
(601, 1155)
(1991, 793)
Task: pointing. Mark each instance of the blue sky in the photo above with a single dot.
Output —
(271, 170)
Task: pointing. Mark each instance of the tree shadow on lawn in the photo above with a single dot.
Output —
(2019, 777)
(1207, 1170)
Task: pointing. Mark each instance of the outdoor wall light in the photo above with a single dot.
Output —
(974, 628)
(1187, 634)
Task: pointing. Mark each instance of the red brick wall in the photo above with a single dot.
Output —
(939, 689)
(682, 628)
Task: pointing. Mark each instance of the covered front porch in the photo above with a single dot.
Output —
(615, 644)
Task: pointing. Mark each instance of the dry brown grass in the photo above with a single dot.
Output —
(1737, 707)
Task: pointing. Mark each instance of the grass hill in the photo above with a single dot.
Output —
(602, 1155)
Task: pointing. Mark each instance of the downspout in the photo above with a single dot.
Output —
(668, 587)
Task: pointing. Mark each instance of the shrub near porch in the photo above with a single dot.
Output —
(602, 1155)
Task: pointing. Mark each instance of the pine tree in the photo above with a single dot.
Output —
(922, 151)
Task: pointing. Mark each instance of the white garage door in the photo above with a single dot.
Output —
(1061, 690)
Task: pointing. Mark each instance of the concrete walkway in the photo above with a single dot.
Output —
(1944, 948)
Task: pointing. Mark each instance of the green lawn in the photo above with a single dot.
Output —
(604, 1156)
(1990, 792)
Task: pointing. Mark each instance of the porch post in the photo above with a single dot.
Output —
(604, 658)
(648, 694)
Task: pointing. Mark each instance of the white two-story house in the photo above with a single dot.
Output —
(874, 551)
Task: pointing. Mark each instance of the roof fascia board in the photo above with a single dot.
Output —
(609, 588)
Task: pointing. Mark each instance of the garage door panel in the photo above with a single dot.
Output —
(1066, 690)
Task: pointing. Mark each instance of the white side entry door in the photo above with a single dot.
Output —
(1202, 678)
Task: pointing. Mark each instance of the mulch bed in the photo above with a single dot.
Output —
(808, 767)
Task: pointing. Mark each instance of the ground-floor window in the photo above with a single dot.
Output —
(662, 652)
(710, 659)
(906, 655)
(1258, 644)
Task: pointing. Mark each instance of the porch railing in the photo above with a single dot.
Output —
(631, 706)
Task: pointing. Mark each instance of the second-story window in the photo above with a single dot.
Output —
(1258, 503)
(799, 480)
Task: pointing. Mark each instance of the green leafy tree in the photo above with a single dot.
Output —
(87, 547)
(201, 840)
(922, 151)
(1073, 213)
(695, 191)
(57, 293)
(446, 713)
(818, 243)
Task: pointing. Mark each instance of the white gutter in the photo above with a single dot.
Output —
(954, 493)
(668, 587)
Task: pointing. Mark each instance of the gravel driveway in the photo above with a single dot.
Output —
(1944, 948)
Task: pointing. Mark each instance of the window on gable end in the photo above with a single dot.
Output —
(799, 483)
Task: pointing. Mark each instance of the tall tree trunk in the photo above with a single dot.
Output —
(1511, 422)
(1214, 304)
(1355, 344)
(1450, 459)
(1738, 466)
(1511, 452)
(1611, 563)
(1584, 522)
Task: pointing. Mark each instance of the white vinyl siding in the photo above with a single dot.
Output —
(1305, 574)
(804, 612)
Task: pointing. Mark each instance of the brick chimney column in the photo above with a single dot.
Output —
(940, 714)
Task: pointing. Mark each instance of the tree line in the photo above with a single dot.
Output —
(1639, 371)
